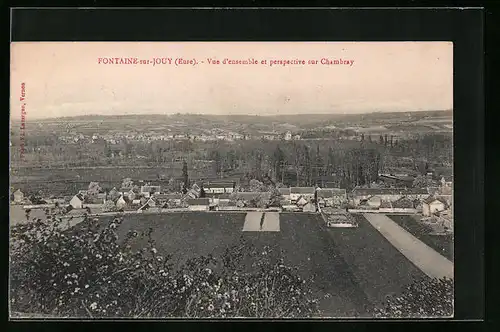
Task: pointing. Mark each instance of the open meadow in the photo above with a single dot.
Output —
(351, 270)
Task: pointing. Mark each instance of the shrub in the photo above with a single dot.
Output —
(88, 271)
(422, 298)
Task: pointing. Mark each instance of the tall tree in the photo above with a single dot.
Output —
(297, 162)
(185, 176)
(307, 165)
(279, 163)
(318, 167)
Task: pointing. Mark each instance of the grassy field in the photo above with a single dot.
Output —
(351, 269)
(379, 268)
(443, 244)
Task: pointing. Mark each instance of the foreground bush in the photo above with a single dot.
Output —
(90, 272)
(423, 298)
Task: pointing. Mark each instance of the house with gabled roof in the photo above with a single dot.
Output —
(120, 202)
(18, 196)
(309, 207)
(150, 203)
(77, 201)
(432, 205)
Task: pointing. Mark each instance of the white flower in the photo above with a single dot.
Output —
(209, 271)
(54, 284)
(93, 306)
(154, 250)
(86, 286)
(228, 305)
(98, 256)
(65, 264)
(210, 307)
(77, 289)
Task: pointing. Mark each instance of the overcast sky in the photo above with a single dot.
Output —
(65, 79)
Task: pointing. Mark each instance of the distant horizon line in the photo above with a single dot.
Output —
(233, 114)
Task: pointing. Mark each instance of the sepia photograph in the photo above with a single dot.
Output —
(252, 180)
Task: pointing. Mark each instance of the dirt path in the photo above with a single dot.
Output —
(424, 257)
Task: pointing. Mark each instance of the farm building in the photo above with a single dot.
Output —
(149, 190)
(307, 192)
(219, 187)
(199, 204)
(432, 205)
(18, 196)
(331, 197)
(404, 203)
(77, 201)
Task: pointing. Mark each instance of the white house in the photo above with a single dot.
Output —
(288, 136)
(306, 192)
(219, 187)
(77, 201)
(432, 205)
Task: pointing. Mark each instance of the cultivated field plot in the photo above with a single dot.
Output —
(350, 269)
(378, 268)
(443, 244)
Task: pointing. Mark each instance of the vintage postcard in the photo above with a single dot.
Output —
(231, 180)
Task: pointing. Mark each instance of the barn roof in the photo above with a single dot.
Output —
(302, 190)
